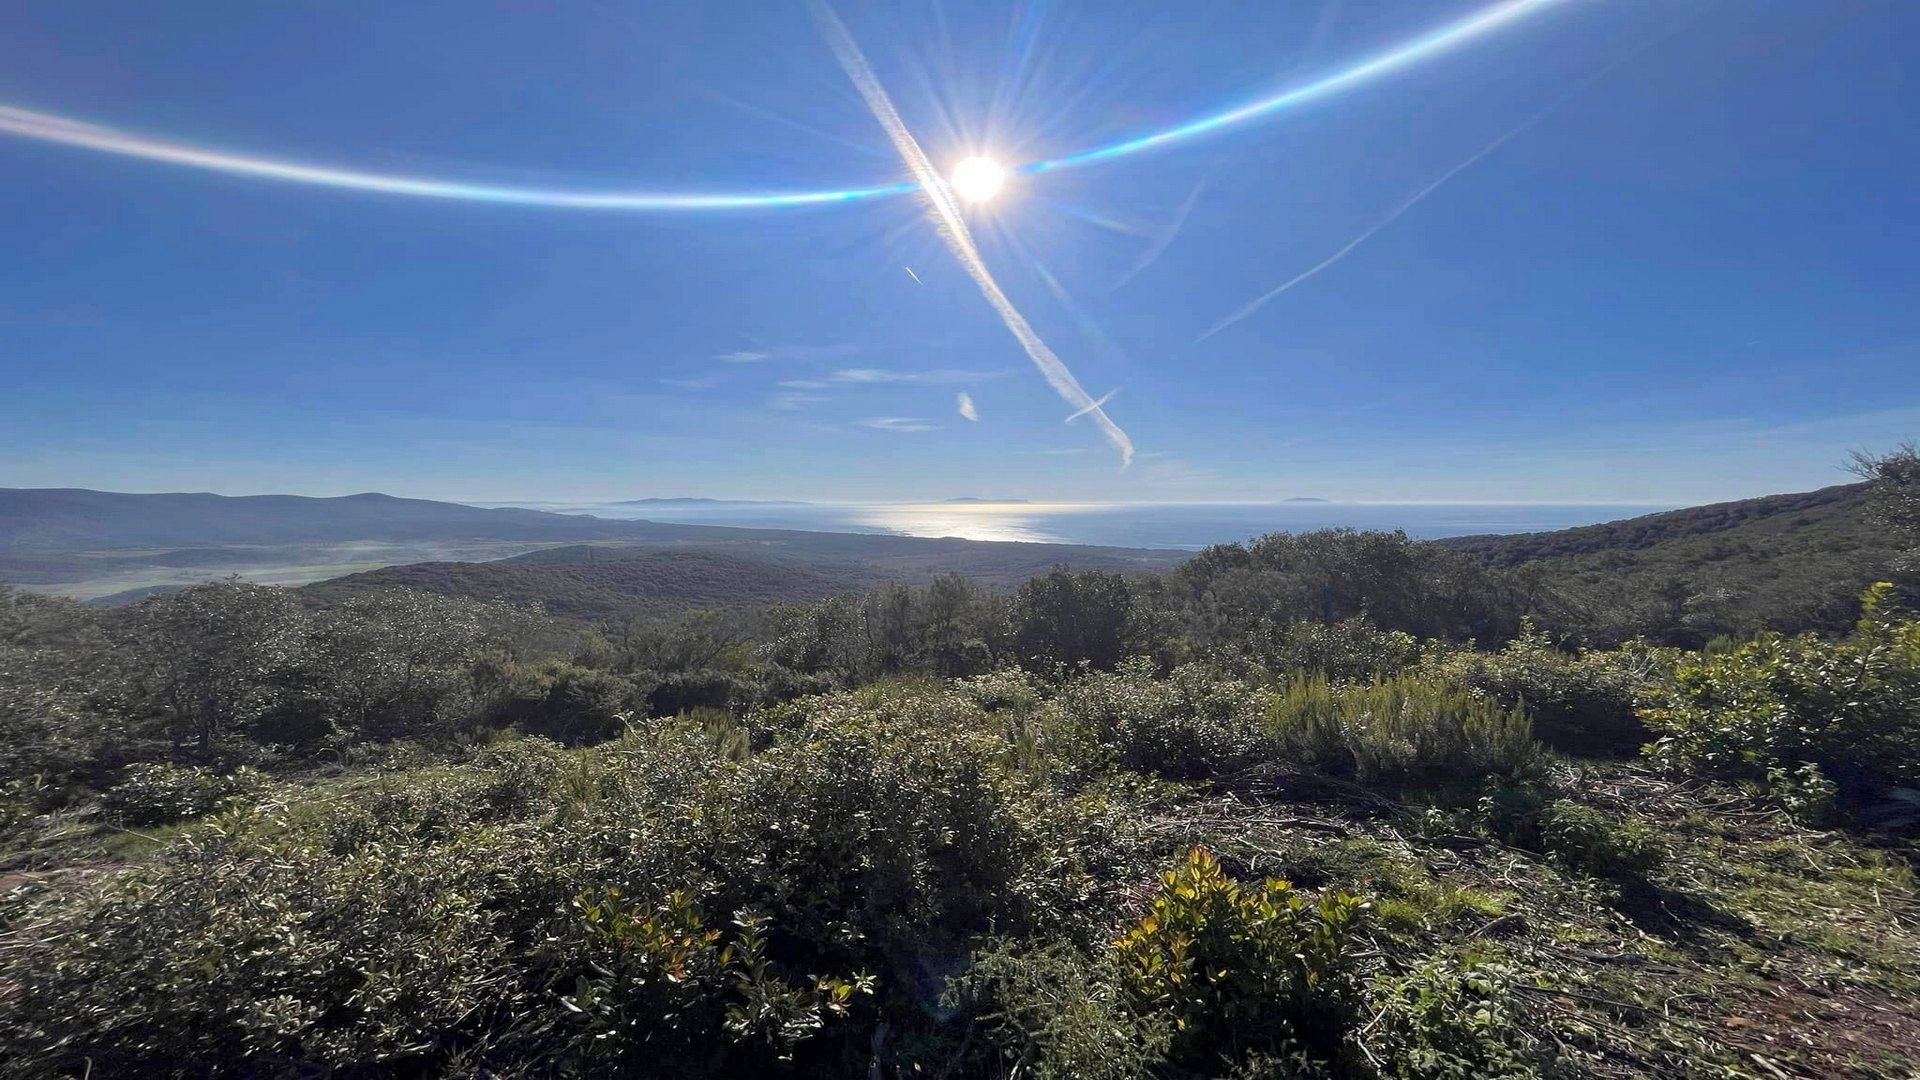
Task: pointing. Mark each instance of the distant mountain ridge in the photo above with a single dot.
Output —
(66, 520)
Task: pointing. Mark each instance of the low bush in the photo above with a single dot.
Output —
(1595, 842)
(1450, 1019)
(1191, 725)
(1062, 1013)
(556, 699)
(439, 921)
(1351, 649)
(156, 793)
(1244, 972)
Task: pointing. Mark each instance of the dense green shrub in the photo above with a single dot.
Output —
(1450, 1020)
(1243, 972)
(659, 985)
(1580, 702)
(427, 921)
(1193, 724)
(556, 699)
(1064, 1012)
(155, 793)
(1799, 713)
(1069, 618)
(1351, 649)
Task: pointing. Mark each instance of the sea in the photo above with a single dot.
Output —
(1183, 526)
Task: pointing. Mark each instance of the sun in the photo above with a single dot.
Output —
(978, 179)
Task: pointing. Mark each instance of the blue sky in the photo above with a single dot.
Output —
(1687, 273)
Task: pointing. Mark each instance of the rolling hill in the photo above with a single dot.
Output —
(1787, 562)
(594, 584)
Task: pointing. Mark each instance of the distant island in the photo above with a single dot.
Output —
(1305, 498)
(971, 499)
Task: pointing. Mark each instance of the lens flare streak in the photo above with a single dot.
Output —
(47, 127)
(51, 128)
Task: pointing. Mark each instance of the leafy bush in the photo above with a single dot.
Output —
(156, 793)
(1599, 843)
(1260, 971)
(1193, 724)
(660, 984)
(1770, 708)
(1345, 650)
(1581, 703)
(1449, 1020)
(1069, 618)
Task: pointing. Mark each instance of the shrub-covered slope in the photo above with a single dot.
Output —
(617, 581)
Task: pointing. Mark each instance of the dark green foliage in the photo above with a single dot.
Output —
(156, 793)
(1450, 1019)
(616, 581)
(1598, 843)
(57, 738)
(209, 659)
(1799, 713)
(418, 920)
(1348, 650)
(1581, 702)
(1192, 725)
(555, 699)
(660, 985)
(1065, 1012)
(1243, 595)
(393, 662)
(1786, 562)
(1067, 619)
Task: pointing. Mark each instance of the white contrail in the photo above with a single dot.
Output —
(1166, 239)
(914, 276)
(1095, 405)
(1260, 301)
(1551, 108)
(953, 228)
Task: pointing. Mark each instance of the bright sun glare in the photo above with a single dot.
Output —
(978, 179)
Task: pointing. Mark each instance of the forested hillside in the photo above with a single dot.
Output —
(592, 583)
(1786, 562)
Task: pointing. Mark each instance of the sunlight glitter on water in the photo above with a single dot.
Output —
(1021, 522)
